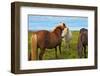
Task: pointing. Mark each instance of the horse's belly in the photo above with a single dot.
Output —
(51, 46)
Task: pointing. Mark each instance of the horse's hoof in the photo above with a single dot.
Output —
(85, 57)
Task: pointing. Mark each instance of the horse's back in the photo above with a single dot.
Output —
(42, 33)
(83, 30)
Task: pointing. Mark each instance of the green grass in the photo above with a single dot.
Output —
(70, 53)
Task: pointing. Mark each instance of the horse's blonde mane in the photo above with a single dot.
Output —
(59, 24)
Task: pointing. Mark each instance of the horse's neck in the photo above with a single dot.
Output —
(68, 32)
(57, 32)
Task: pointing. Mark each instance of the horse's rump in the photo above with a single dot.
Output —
(43, 38)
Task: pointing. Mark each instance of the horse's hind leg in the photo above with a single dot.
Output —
(84, 51)
(41, 54)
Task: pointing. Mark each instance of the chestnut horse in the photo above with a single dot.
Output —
(82, 42)
(44, 39)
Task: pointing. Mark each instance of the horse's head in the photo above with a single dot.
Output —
(64, 33)
(59, 29)
(62, 26)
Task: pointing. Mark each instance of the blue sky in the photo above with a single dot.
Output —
(41, 22)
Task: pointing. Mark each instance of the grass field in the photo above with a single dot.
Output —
(70, 53)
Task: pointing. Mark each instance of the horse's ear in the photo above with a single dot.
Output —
(64, 25)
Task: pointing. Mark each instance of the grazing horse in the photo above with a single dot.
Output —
(44, 39)
(67, 37)
(82, 42)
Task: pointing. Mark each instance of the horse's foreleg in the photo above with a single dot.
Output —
(41, 54)
(80, 49)
(66, 44)
(84, 51)
(80, 53)
(69, 44)
(60, 48)
(56, 52)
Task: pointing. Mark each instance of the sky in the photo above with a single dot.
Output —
(42, 22)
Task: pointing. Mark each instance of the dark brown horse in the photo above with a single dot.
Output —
(44, 39)
(82, 42)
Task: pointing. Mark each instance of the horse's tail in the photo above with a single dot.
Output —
(33, 46)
